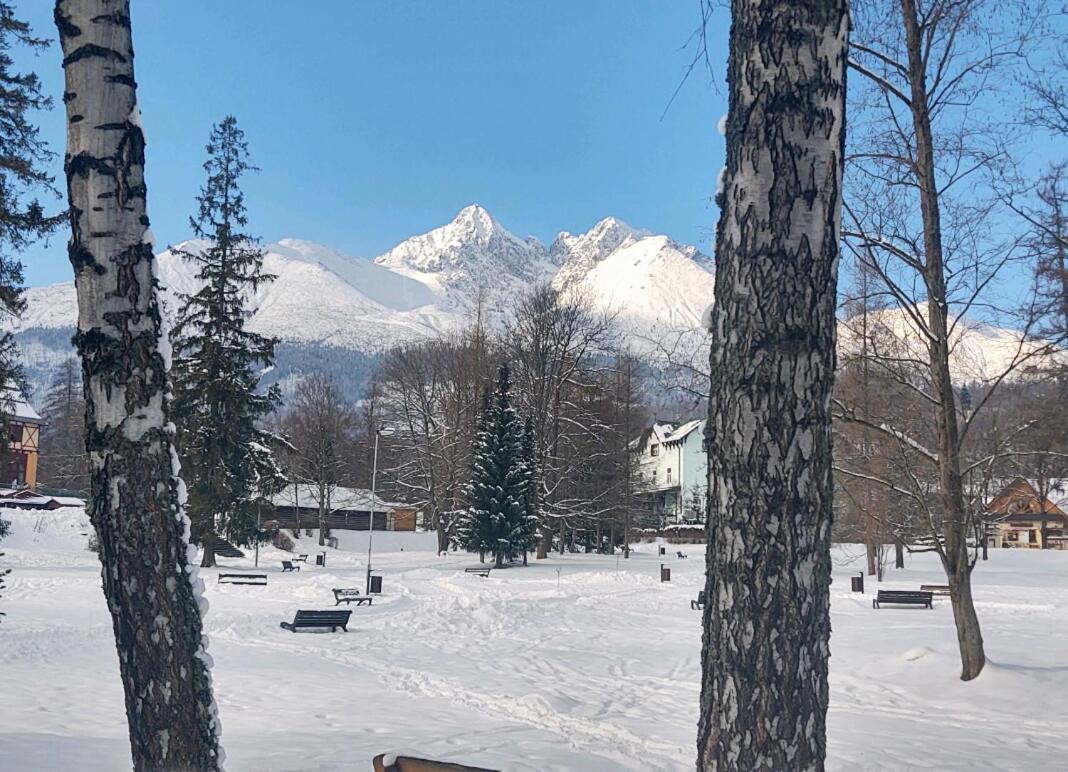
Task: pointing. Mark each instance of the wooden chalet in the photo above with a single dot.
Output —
(19, 466)
(1020, 517)
(346, 509)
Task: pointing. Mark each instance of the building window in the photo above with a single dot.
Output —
(654, 477)
(669, 476)
(16, 433)
(654, 450)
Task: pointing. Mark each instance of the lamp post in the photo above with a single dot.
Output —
(382, 431)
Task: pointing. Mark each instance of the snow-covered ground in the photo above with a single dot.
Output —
(580, 662)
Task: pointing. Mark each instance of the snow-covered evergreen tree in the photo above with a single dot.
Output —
(527, 529)
(495, 520)
(227, 458)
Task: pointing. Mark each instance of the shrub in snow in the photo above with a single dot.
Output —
(282, 541)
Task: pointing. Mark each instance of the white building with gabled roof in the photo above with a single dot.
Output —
(670, 470)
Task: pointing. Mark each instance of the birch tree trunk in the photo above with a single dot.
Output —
(151, 586)
(766, 625)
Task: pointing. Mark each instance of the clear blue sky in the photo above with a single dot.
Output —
(374, 121)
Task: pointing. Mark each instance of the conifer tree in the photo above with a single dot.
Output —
(64, 462)
(527, 532)
(227, 458)
(23, 158)
(497, 492)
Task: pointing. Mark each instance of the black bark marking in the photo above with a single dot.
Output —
(125, 80)
(67, 28)
(90, 50)
(118, 18)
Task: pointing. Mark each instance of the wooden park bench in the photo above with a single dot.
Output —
(937, 589)
(482, 571)
(259, 580)
(300, 559)
(903, 597)
(389, 762)
(698, 604)
(331, 619)
(287, 565)
(351, 595)
(680, 555)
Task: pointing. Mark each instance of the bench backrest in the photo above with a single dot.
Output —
(287, 564)
(904, 595)
(327, 617)
(258, 577)
(347, 593)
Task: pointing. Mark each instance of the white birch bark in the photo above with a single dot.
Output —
(766, 625)
(151, 586)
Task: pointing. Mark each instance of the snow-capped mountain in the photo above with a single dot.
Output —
(336, 312)
(425, 286)
(472, 261)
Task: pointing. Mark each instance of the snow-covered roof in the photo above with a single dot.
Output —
(666, 432)
(306, 496)
(29, 499)
(14, 405)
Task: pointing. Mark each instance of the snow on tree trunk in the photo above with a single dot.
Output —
(766, 626)
(151, 586)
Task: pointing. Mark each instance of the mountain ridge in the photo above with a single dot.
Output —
(425, 286)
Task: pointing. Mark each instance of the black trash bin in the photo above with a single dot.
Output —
(663, 550)
(320, 559)
(858, 582)
(665, 573)
(376, 585)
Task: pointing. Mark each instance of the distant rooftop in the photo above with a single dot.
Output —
(306, 496)
(14, 405)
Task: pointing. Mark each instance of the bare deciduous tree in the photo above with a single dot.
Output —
(320, 426)
(922, 211)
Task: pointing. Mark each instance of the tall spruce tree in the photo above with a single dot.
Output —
(64, 462)
(23, 158)
(527, 530)
(227, 458)
(494, 520)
